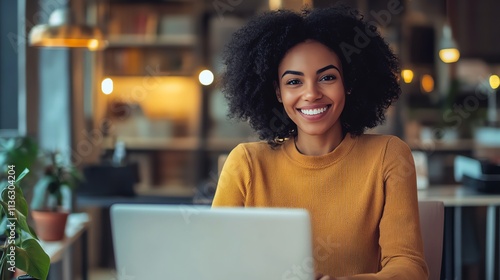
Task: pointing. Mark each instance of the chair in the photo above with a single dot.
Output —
(432, 227)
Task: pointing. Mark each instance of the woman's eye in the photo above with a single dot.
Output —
(293, 82)
(328, 78)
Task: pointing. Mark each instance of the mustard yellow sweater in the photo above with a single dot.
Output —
(361, 198)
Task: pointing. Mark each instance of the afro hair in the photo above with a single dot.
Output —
(252, 58)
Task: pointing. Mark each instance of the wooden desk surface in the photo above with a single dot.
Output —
(76, 225)
(457, 195)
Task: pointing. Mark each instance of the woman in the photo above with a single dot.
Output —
(310, 86)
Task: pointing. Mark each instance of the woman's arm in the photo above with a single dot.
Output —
(400, 236)
(234, 179)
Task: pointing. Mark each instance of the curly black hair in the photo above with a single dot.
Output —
(252, 57)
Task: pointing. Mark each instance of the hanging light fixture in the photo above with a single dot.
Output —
(62, 32)
(448, 51)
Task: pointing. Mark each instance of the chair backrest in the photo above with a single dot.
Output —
(432, 227)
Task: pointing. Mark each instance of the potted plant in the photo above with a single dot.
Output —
(21, 248)
(21, 152)
(48, 210)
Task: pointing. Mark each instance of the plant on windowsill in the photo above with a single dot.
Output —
(57, 183)
(21, 248)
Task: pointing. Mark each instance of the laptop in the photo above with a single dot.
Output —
(197, 242)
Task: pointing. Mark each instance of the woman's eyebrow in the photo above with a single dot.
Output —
(330, 66)
(292, 72)
(326, 68)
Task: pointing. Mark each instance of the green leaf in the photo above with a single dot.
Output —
(19, 200)
(3, 224)
(31, 258)
(23, 153)
(21, 176)
(18, 218)
(3, 273)
(33, 232)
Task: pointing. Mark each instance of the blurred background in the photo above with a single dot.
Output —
(129, 83)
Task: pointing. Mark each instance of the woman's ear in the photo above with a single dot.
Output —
(278, 92)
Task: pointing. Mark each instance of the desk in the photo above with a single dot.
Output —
(457, 197)
(76, 229)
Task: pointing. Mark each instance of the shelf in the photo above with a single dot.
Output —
(459, 145)
(176, 144)
(155, 144)
(140, 40)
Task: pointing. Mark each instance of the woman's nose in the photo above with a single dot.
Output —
(312, 92)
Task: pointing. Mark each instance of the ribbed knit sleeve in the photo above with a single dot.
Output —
(400, 240)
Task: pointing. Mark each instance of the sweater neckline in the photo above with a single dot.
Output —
(332, 157)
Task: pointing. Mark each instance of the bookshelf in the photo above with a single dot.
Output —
(153, 57)
(152, 33)
(171, 124)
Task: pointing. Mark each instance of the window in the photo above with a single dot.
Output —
(10, 123)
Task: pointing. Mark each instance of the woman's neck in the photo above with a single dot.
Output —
(317, 145)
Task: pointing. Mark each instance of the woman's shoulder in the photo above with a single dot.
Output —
(252, 147)
(381, 140)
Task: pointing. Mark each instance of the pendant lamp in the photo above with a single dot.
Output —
(62, 32)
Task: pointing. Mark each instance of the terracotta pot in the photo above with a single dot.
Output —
(49, 225)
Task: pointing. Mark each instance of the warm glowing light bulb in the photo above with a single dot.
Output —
(427, 83)
(494, 81)
(407, 75)
(449, 55)
(93, 44)
(107, 86)
(206, 77)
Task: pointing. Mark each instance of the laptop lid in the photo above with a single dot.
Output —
(196, 242)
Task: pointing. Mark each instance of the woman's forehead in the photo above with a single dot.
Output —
(309, 53)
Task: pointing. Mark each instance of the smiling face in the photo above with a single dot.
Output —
(311, 88)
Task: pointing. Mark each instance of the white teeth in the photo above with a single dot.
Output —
(311, 112)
